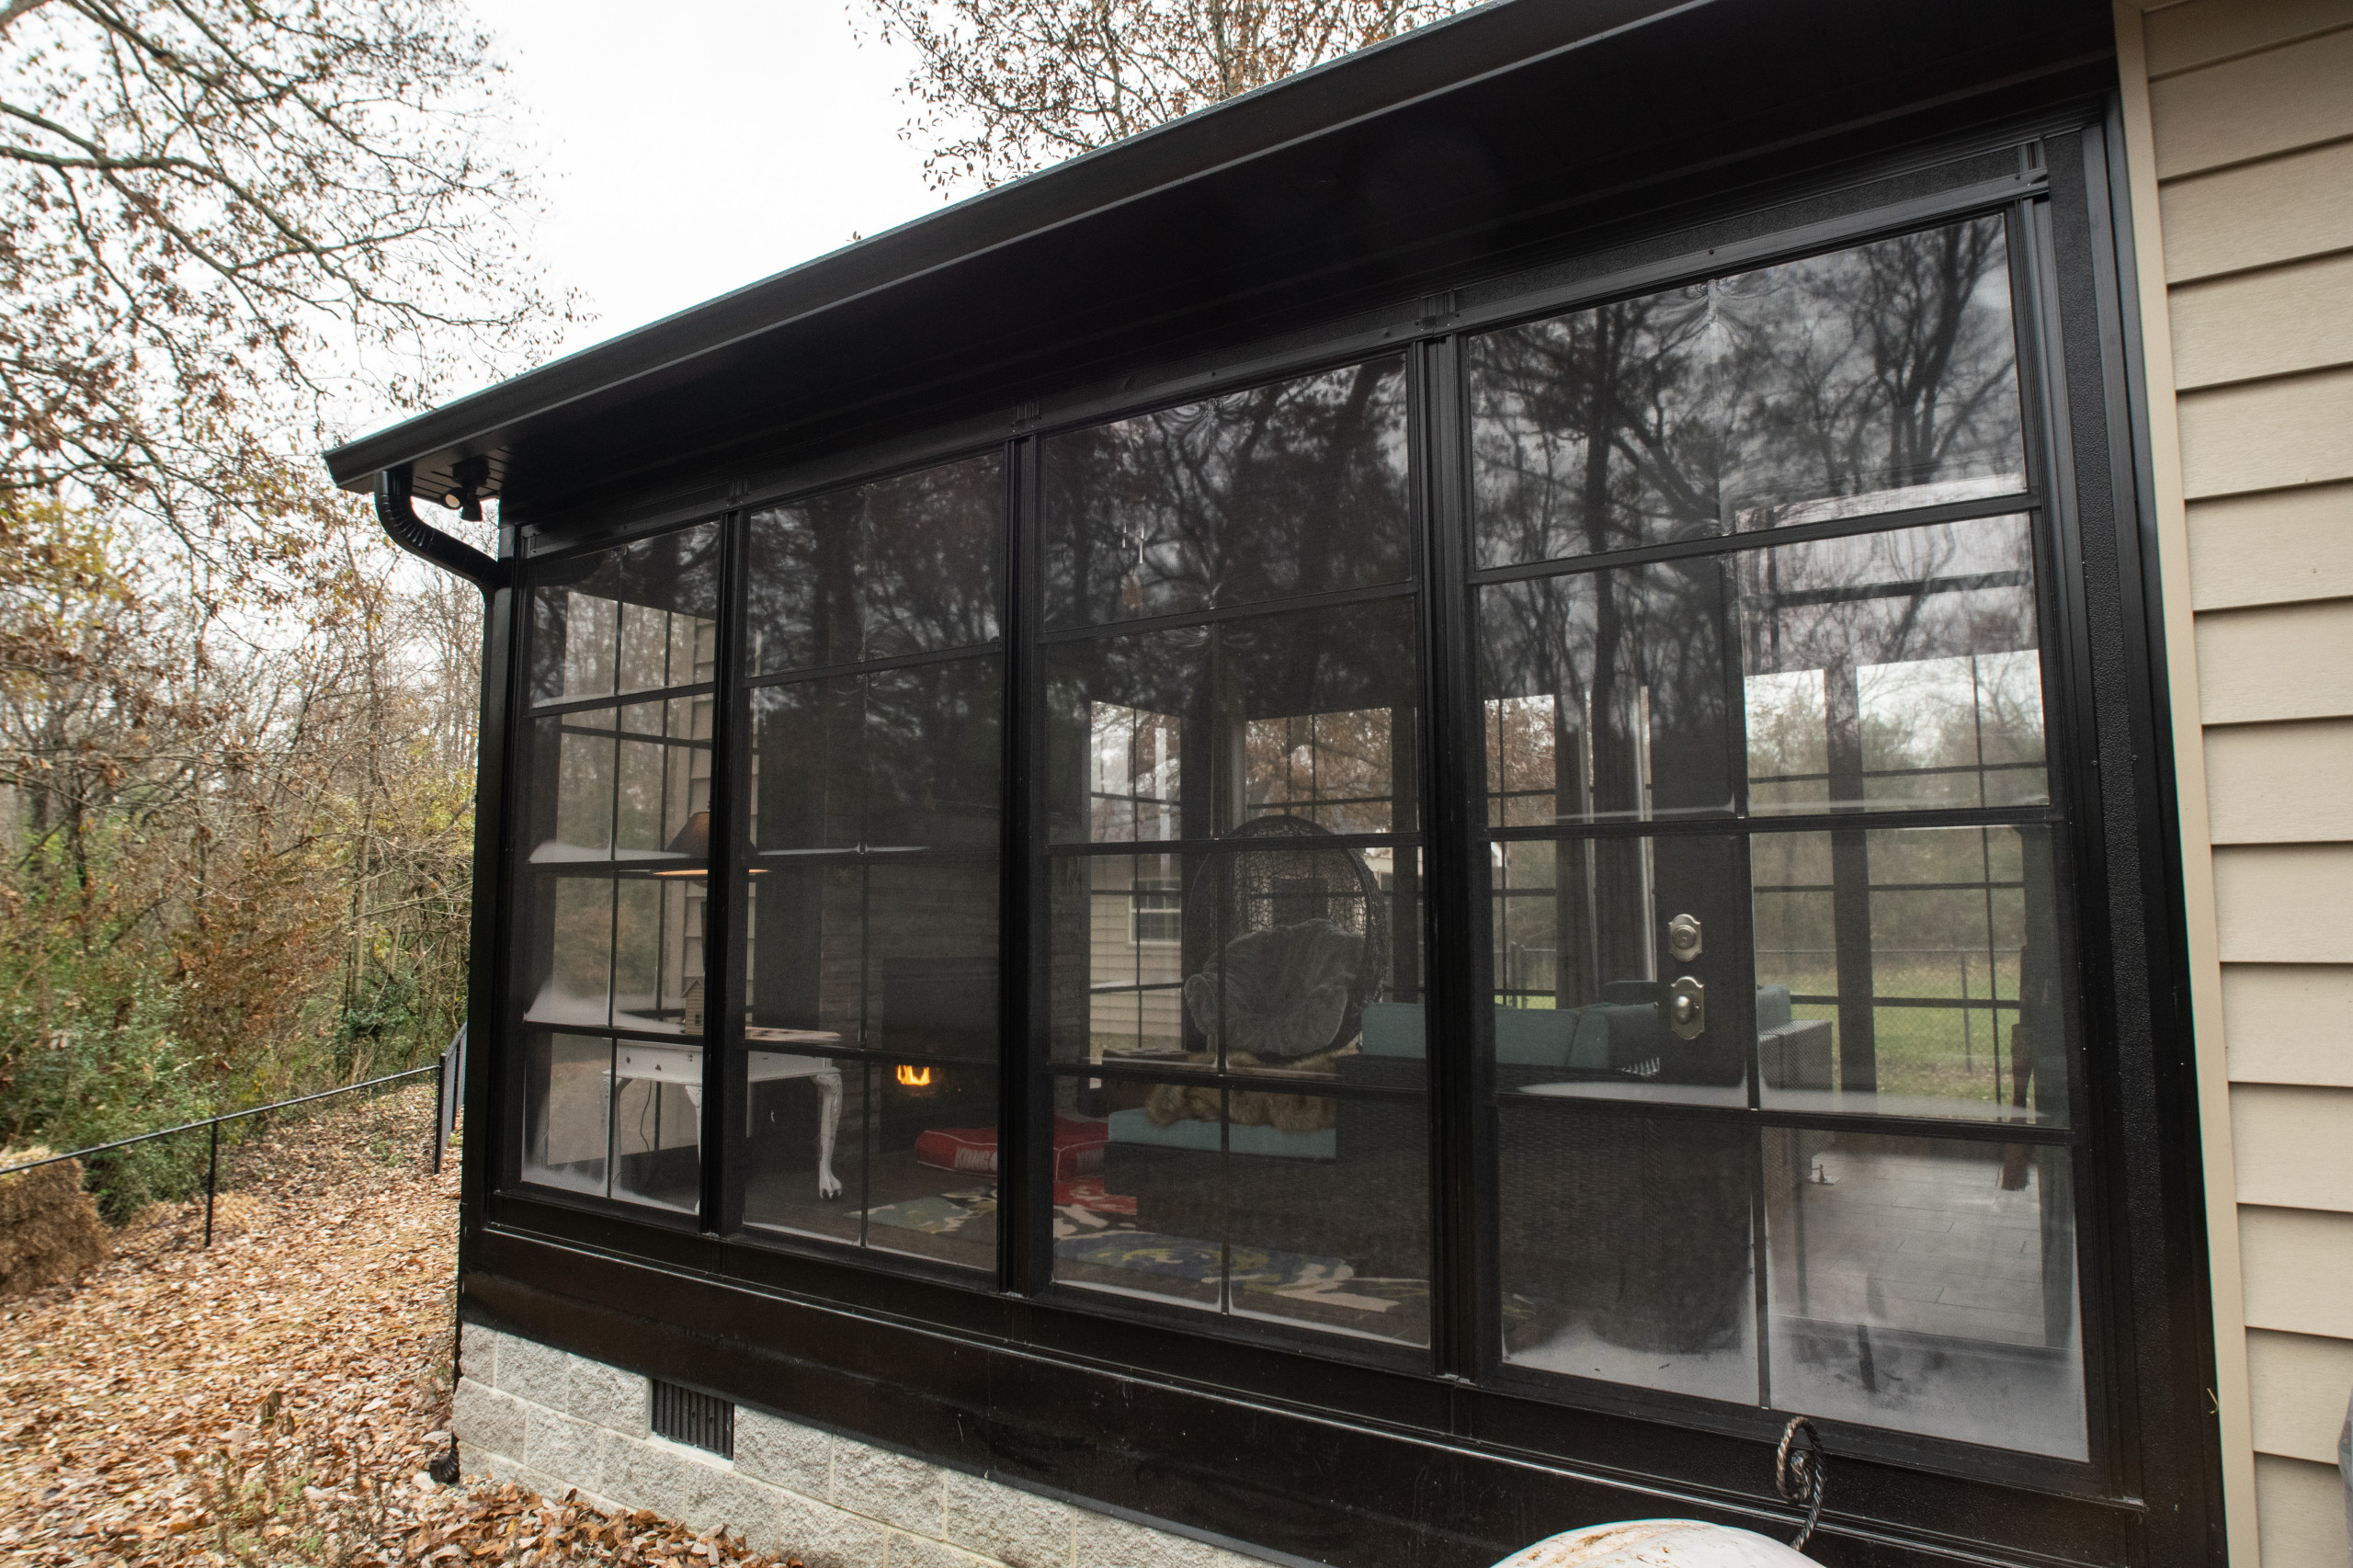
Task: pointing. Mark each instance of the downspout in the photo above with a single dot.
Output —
(396, 510)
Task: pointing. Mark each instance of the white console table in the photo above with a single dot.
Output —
(682, 1065)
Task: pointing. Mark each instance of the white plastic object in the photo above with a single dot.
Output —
(1657, 1543)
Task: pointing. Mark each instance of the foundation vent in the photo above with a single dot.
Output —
(698, 1420)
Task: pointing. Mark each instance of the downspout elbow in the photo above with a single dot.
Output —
(396, 510)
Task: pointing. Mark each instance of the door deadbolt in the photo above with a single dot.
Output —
(1687, 1008)
(1683, 938)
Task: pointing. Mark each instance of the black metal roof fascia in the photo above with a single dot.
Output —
(1427, 61)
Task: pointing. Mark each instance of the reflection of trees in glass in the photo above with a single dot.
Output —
(1292, 488)
(1900, 667)
(1632, 662)
(1135, 785)
(1212, 703)
(632, 618)
(1751, 400)
(1332, 768)
(902, 565)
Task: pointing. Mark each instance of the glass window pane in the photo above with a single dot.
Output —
(897, 1157)
(617, 797)
(896, 760)
(1255, 1202)
(1585, 979)
(901, 565)
(1913, 972)
(900, 957)
(1116, 937)
(1624, 1245)
(1289, 942)
(567, 1088)
(932, 1163)
(1928, 1286)
(636, 618)
(657, 1124)
(1605, 695)
(931, 958)
(1298, 487)
(872, 957)
(1872, 378)
(1895, 670)
(1272, 954)
(583, 819)
(935, 754)
(577, 988)
(805, 953)
(804, 1154)
(624, 952)
(808, 764)
(1192, 732)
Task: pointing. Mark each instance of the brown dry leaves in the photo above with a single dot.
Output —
(276, 1399)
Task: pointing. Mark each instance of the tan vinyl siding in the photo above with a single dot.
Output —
(2280, 783)
(2295, 1376)
(2250, 142)
(2293, 1152)
(2183, 37)
(2280, 548)
(2257, 214)
(2291, 661)
(2272, 322)
(2287, 1025)
(2303, 1512)
(2299, 1268)
(2275, 101)
(2268, 435)
(2285, 903)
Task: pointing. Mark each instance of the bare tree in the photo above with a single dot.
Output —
(221, 220)
(1006, 86)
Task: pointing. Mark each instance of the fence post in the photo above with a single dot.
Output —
(454, 1078)
(211, 1178)
(440, 1095)
(1968, 1046)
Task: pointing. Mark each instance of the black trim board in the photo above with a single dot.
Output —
(1229, 1460)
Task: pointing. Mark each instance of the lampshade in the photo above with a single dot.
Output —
(694, 839)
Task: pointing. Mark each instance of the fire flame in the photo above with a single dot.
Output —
(915, 1077)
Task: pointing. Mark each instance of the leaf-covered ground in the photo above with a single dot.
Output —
(276, 1398)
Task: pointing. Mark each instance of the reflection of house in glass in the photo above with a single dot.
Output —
(1372, 827)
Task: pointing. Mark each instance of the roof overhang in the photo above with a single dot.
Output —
(1473, 143)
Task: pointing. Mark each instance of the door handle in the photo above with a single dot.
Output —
(1687, 1008)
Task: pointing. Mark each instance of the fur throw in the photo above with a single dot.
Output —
(1284, 1112)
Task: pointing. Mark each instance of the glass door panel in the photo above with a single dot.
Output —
(1773, 866)
(1621, 968)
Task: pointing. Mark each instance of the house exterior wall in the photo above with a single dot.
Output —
(555, 1422)
(2240, 128)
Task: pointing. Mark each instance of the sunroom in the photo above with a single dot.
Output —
(1370, 827)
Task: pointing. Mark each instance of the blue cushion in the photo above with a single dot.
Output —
(1392, 1029)
(1772, 1007)
(1534, 1037)
(1135, 1126)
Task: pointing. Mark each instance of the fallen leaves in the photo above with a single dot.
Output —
(275, 1399)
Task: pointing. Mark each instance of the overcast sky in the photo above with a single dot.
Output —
(703, 144)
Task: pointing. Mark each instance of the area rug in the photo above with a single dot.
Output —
(951, 1211)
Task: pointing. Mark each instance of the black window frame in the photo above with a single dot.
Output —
(2069, 342)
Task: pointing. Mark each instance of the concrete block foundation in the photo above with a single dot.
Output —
(556, 1422)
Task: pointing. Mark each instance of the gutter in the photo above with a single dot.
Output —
(396, 510)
